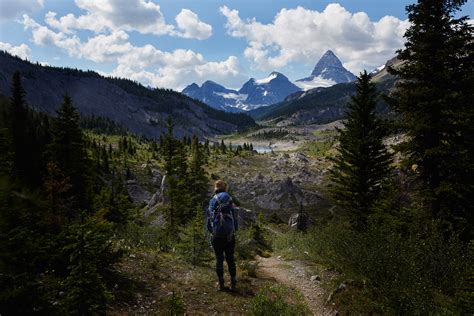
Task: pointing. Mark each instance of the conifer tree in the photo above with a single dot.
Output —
(175, 166)
(6, 145)
(198, 181)
(362, 163)
(434, 99)
(223, 147)
(68, 152)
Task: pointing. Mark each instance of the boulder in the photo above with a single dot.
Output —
(302, 219)
(136, 192)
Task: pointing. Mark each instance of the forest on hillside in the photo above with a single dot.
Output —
(399, 234)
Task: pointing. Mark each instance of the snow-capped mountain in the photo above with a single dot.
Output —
(273, 89)
(327, 72)
(253, 94)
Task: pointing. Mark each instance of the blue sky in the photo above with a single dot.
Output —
(173, 43)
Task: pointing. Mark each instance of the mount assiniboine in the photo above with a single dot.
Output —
(273, 89)
(327, 72)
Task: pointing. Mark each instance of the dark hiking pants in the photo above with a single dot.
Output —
(224, 248)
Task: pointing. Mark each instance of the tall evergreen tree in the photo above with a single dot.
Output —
(198, 181)
(6, 145)
(363, 162)
(175, 165)
(434, 99)
(68, 152)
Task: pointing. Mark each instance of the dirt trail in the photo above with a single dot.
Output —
(295, 274)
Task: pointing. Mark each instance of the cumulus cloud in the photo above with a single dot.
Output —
(171, 75)
(129, 15)
(22, 51)
(146, 64)
(11, 9)
(191, 26)
(303, 35)
(43, 36)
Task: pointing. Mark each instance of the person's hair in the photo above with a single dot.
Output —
(220, 186)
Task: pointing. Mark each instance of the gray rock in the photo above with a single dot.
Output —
(315, 278)
(137, 193)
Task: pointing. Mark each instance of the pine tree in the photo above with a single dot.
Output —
(362, 163)
(434, 99)
(68, 152)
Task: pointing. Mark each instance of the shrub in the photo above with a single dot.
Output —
(417, 272)
(175, 305)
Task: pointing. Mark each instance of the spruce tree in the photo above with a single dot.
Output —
(434, 100)
(198, 181)
(6, 142)
(175, 165)
(363, 162)
(68, 152)
(26, 154)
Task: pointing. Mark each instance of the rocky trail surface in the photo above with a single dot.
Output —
(297, 275)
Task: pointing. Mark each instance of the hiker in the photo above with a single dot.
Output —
(222, 223)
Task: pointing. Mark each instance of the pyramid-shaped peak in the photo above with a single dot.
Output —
(327, 61)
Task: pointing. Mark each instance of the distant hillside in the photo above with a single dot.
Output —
(128, 103)
(321, 105)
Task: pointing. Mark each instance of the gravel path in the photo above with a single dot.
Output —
(295, 274)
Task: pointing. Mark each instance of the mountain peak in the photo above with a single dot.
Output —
(278, 74)
(328, 60)
(327, 72)
(274, 75)
(209, 83)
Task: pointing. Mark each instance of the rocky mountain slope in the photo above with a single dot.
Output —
(142, 110)
(253, 94)
(327, 72)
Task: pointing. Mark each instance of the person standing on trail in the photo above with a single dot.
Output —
(222, 223)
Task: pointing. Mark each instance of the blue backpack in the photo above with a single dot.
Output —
(223, 218)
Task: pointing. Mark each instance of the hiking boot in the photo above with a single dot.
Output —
(221, 285)
(233, 284)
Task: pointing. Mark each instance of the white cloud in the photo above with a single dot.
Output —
(146, 64)
(11, 9)
(22, 51)
(142, 16)
(171, 76)
(302, 35)
(43, 36)
(192, 27)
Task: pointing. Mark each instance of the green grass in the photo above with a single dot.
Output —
(325, 133)
(317, 149)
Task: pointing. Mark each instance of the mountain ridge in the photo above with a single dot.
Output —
(142, 110)
(254, 93)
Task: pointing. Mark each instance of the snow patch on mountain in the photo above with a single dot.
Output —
(232, 95)
(315, 82)
(266, 80)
